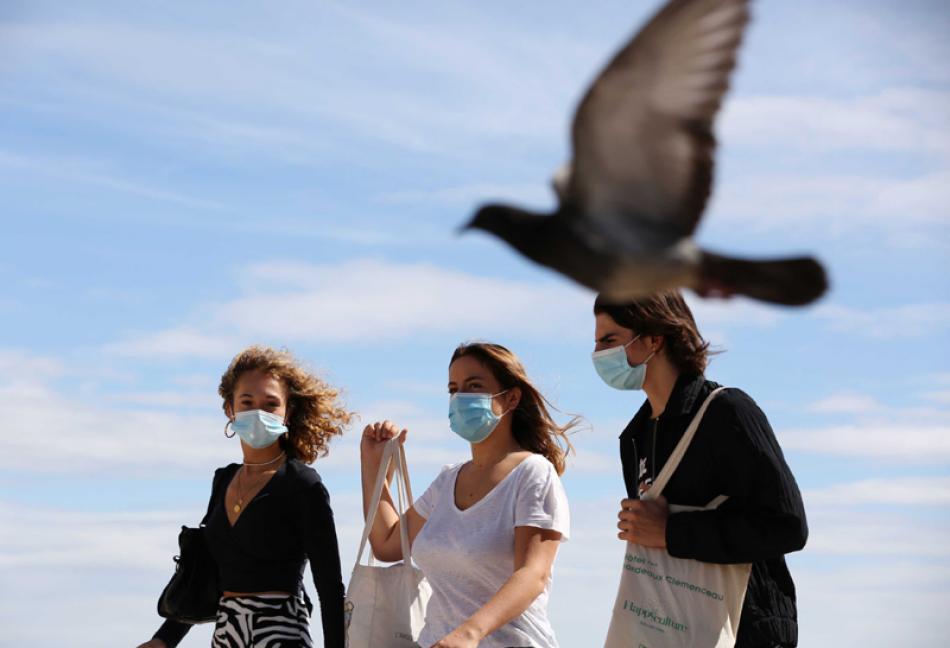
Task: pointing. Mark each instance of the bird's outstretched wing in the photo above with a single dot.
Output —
(642, 135)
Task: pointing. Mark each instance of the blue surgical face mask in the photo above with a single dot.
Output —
(471, 416)
(258, 428)
(615, 370)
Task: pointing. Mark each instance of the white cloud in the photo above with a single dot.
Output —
(941, 397)
(893, 442)
(169, 73)
(838, 532)
(182, 341)
(845, 403)
(38, 538)
(21, 365)
(57, 432)
(377, 300)
(880, 601)
(98, 173)
(898, 119)
(372, 302)
(912, 320)
(906, 491)
(538, 193)
(736, 312)
(814, 132)
(205, 400)
(841, 205)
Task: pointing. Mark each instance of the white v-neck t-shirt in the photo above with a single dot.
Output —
(468, 555)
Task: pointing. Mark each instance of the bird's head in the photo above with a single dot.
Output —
(519, 228)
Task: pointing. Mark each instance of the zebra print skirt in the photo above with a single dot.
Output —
(263, 621)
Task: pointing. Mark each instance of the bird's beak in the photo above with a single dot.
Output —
(461, 229)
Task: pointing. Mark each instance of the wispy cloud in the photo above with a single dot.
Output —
(941, 397)
(837, 532)
(899, 119)
(182, 341)
(21, 365)
(369, 300)
(93, 432)
(841, 204)
(846, 403)
(893, 442)
(538, 193)
(101, 174)
(373, 301)
(95, 539)
(879, 600)
(912, 320)
(904, 491)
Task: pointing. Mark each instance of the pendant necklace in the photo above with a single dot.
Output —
(240, 491)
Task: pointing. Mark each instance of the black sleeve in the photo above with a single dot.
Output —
(320, 544)
(172, 632)
(764, 516)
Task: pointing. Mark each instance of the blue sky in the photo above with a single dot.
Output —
(178, 180)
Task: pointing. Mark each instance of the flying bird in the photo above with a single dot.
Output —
(643, 154)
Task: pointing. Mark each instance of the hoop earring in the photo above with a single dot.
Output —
(226, 426)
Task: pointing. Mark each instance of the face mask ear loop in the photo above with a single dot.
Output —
(226, 426)
(632, 341)
(510, 409)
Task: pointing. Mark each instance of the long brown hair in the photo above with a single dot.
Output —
(664, 314)
(316, 415)
(531, 424)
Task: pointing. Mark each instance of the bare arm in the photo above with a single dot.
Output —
(535, 550)
(384, 536)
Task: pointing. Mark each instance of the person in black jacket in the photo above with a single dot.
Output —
(654, 344)
(270, 514)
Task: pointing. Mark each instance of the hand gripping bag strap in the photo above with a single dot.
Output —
(677, 455)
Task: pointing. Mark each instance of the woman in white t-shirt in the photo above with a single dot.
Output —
(486, 531)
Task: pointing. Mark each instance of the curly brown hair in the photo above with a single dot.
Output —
(664, 314)
(532, 425)
(316, 415)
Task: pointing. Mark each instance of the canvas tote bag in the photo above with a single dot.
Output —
(667, 602)
(385, 606)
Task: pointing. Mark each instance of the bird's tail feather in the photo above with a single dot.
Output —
(790, 282)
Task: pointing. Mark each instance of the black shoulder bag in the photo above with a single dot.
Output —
(192, 594)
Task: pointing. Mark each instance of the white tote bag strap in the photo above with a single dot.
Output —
(393, 452)
(677, 455)
(374, 502)
(403, 499)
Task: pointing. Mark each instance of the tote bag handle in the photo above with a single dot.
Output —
(393, 452)
(677, 455)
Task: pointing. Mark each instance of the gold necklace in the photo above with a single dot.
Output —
(241, 491)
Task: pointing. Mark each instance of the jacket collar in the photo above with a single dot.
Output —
(685, 395)
(682, 401)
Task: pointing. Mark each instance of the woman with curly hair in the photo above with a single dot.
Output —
(486, 532)
(270, 513)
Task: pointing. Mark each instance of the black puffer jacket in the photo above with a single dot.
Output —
(734, 453)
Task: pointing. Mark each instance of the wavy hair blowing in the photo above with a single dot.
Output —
(532, 425)
(316, 415)
(663, 314)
